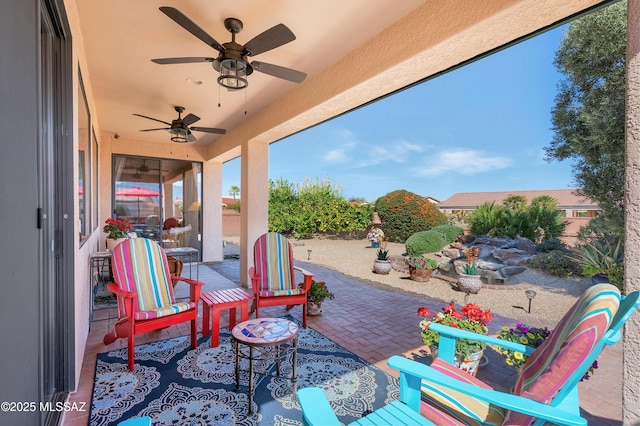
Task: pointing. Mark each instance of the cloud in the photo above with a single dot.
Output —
(460, 161)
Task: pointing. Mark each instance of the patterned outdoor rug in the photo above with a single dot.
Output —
(176, 385)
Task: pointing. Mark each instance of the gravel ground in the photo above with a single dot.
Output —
(554, 296)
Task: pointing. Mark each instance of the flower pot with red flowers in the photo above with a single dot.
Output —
(318, 292)
(468, 353)
(117, 231)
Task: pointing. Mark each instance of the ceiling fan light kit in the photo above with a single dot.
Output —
(232, 62)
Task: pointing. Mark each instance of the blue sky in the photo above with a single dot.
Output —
(482, 127)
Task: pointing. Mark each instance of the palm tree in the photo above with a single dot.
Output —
(233, 191)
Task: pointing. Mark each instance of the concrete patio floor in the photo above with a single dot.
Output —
(372, 323)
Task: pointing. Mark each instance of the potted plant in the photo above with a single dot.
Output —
(469, 279)
(382, 264)
(117, 231)
(318, 292)
(530, 336)
(375, 235)
(420, 267)
(603, 260)
(471, 318)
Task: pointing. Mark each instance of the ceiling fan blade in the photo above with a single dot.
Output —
(154, 119)
(280, 72)
(161, 128)
(270, 39)
(191, 138)
(209, 130)
(190, 119)
(188, 60)
(192, 27)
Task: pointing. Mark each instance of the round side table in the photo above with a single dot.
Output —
(270, 339)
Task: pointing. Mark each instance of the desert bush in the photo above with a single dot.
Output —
(425, 242)
(555, 262)
(404, 213)
(485, 220)
(550, 245)
(450, 232)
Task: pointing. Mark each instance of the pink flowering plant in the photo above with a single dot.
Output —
(116, 229)
(470, 318)
(420, 262)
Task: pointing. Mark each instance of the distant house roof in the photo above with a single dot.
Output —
(470, 200)
(227, 200)
(431, 199)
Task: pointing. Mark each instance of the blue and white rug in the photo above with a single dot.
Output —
(176, 385)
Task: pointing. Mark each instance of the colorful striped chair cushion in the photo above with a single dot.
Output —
(444, 406)
(273, 259)
(550, 367)
(149, 278)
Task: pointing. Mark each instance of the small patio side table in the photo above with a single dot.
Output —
(215, 301)
(269, 339)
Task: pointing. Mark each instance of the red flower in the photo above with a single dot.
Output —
(424, 312)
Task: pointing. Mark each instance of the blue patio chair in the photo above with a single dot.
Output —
(545, 390)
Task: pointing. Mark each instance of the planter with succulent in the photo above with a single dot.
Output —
(603, 260)
(469, 280)
(382, 265)
(318, 292)
(420, 267)
(117, 231)
(468, 353)
(375, 235)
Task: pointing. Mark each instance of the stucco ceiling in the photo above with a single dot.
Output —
(352, 51)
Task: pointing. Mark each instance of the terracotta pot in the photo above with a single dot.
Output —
(420, 274)
(381, 266)
(469, 283)
(111, 243)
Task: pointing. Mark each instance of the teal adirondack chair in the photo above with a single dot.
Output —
(546, 390)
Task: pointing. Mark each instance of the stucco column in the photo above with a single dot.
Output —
(254, 204)
(212, 212)
(631, 342)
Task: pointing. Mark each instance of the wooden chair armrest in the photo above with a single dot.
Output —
(118, 292)
(316, 410)
(196, 286)
(308, 277)
(449, 335)
(255, 280)
(412, 373)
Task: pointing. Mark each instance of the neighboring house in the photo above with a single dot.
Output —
(432, 200)
(578, 210)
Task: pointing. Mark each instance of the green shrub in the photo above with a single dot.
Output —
(404, 213)
(552, 244)
(425, 242)
(555, 262)
(450, 232)
(486, 219)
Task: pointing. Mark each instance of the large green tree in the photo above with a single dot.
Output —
(588, 117)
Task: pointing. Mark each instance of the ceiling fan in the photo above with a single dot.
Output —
(181, 128)
(232, 62)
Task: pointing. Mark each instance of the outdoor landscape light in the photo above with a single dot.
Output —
(530, 295)
(308, 254)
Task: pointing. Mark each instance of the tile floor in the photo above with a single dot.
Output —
(373, 323)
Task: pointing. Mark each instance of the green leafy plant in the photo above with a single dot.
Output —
(602, 257)
(555, 262)
(117, 229)
(470, 318)
(318, 292)
(425, 242)
(470, 269)
(450, 232)
(420, 262)
(383, 254)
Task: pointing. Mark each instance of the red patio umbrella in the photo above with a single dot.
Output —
(137, 191)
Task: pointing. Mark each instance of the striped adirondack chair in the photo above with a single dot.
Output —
(272, 276)
(546, 390)
(144, 291)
